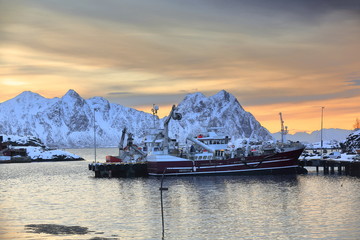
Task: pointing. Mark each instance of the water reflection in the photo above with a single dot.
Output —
(231, 204)
(217, 207)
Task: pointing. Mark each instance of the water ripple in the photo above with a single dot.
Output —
(220, 207)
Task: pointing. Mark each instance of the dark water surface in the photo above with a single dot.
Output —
(65, 195)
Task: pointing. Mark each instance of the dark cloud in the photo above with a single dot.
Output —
(160, 36)
(280, 96)
(303, 6)
(186, 42)
(30, 70)
(140, 99)
(245, 98)
(354, 82)
(118, 93)
(134, 99)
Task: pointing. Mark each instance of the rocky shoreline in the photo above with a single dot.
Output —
(27, 149)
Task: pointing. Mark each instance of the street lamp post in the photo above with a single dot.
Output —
(95, 109)
(321, 132)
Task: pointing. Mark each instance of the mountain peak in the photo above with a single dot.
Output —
(27, 97)
(99, 103)
(224, 95)
(224, 92)
(195, 95)
(193, 98)
(72, 93)
(28, 94)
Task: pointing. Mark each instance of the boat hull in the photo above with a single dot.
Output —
(279, 163)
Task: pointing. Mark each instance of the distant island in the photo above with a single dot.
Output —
(16, 149)
(329, 134)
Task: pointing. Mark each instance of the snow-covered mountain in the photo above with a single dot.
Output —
(69, 121)
(329, 134)
(221, 110)
(353, 141)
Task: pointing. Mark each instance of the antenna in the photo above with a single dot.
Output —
(154, 111)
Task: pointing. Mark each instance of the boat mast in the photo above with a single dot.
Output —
(284, 130)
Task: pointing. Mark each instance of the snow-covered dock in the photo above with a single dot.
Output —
(345, 164)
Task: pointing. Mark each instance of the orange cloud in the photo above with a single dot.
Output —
(306, 116)
(271, 60)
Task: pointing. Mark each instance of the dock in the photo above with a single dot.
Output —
(126, 170)
(332, 166)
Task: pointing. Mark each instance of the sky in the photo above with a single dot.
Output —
(293, 57)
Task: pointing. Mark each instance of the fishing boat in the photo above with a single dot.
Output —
(209, 153)
(212, 153)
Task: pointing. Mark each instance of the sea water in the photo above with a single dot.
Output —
(204, 207)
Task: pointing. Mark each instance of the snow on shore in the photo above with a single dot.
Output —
(35, 150)
(38, 153)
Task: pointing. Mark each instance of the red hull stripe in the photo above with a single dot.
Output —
(230, 165)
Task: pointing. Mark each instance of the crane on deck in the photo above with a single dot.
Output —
(284, 130)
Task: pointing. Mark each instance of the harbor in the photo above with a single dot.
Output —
(212, 154)
(148, 120)
(237, 207)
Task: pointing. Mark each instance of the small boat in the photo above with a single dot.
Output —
(211, 154)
